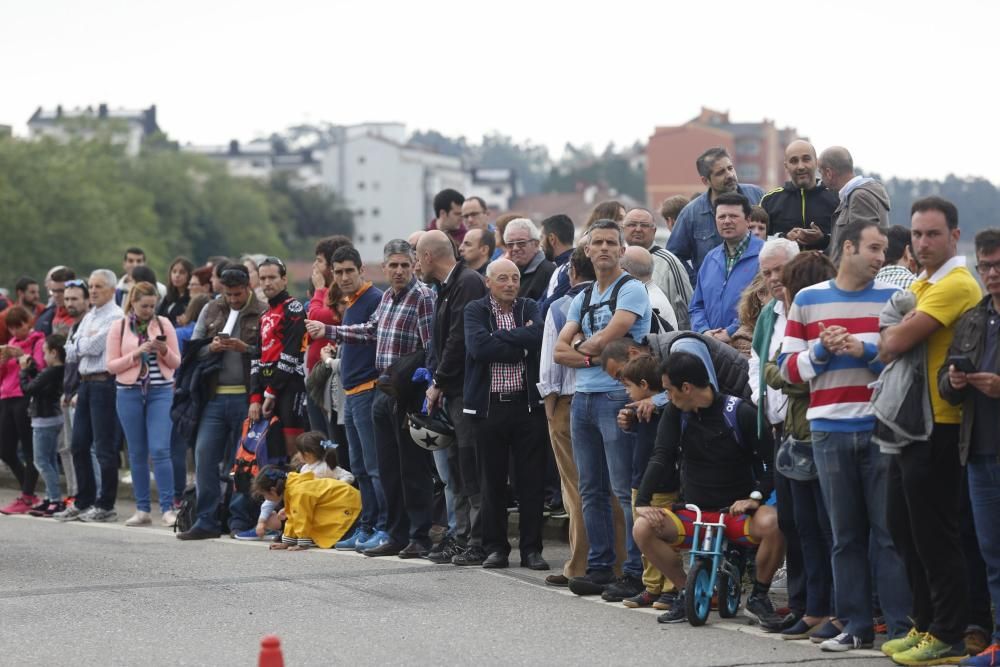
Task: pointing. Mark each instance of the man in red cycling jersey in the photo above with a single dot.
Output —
(724, 464)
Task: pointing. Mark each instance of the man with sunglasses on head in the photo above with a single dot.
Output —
(227, 336)
(55, 319)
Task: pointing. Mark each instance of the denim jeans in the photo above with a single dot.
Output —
(215, 447)
(984, 491)
(46, 454)
(853, 476)
(364, 459)
(444, 473)
(317, 418)
(146, 421)
(96, 425)
(812, 522)
(603, 456)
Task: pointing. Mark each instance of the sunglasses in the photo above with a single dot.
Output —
(74, 283)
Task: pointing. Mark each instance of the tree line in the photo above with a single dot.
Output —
(81, 203)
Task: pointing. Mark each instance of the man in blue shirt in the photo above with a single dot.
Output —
(726, 271)
(615, 306)
(695, 233)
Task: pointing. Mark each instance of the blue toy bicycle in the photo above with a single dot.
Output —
(714, 566)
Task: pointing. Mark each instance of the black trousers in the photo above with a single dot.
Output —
(405, 469)
(924, 502)
(980, 613)
(15, 427)
(512, 429)
(795, 570)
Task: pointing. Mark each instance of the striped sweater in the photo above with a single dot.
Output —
(839, 398)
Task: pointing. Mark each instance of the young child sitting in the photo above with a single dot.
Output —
(318, 512)
(642, 379)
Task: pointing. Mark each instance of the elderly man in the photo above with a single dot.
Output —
(638, 263)
(522, 239)
(96, 420)
(801, 209)
(861, 197)
(501, 394)
(669, 273)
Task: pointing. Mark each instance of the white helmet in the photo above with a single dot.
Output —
(431, 432)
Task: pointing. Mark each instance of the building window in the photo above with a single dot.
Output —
(376, 238)
(359, 212)
(749, 172)
(361, 238)
(361, 159)
(375, 212)
(497, 190)
(361, 185)
(748, 147)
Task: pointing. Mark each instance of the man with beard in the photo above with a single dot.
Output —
(801, 210)
(55, 319)
(695, 233)
(557, 244)
(26, 295)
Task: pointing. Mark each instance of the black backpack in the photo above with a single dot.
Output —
(186, 513)
(657, 324)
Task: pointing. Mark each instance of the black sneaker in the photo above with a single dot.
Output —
(474, 555)
(414, 550)
(677, 613)
(760, 610)
(627, 586)
(444, 550)
(592, 583)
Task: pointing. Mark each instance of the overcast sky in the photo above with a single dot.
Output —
(908, 87)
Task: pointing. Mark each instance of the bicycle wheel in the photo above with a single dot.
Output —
(698, 592)
(730, 592)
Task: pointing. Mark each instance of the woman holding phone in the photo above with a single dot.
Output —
(142, 353)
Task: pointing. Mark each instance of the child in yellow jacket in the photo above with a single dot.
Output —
(319, 512)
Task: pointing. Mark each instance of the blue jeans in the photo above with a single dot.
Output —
(46, 456)
(852, 476)
(444, 472)
(364, 459)
(215, 447)
(603, 456)
(96, 425)
(146, 421)
(812, 522)
(984, 491)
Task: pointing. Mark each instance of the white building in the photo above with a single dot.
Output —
(125, 126)
(387, 185)
(259, 160)
(497, 187)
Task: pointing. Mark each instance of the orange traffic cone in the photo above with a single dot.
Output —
(270, 652)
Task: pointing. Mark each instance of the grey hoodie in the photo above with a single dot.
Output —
(865, 199)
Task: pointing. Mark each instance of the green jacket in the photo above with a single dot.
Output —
(796, 423)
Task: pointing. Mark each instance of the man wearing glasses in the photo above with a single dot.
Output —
(977, 337)
(669, 273)
(523, 238)
(476, 214)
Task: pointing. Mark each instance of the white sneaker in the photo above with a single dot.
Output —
(140, 518)
(127, 478)
(169, 518)
(71, 513)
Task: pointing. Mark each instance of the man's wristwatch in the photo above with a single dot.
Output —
(577, 344)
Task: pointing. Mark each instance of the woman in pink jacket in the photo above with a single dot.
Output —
(15, 424)
(142, 354)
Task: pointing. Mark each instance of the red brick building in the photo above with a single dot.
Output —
(758, 150)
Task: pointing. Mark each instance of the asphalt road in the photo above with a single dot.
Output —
(77, 594)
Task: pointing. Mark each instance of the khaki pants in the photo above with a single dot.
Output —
(562, 448)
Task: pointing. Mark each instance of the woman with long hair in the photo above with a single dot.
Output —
(142, 353)
(178, 295)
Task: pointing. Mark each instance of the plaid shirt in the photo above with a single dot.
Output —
(505, 378)
(735, 257)
(401, 324)
(896, 275)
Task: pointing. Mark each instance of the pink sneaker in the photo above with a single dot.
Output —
(21, 505)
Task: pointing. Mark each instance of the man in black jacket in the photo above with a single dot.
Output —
(802, 209)
(501, 392)
(723, 464)
(457, 465)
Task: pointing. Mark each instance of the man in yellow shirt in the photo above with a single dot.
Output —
(924, 487)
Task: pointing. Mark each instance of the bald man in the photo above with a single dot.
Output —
(501, 395)
(457, 465)
(859, 197)
(802, 209)
(638, 263)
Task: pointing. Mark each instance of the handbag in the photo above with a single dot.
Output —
(795, 460)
